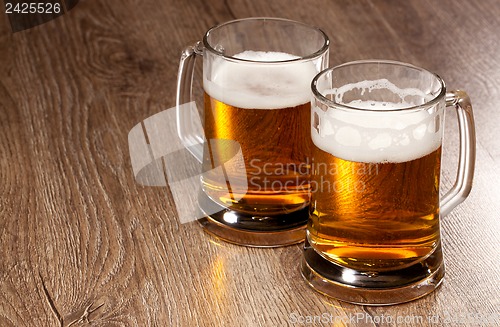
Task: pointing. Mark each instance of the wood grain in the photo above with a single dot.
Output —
(83, 244)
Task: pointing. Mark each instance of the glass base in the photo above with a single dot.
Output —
(252, 238)
(251, 229)
(370, 287)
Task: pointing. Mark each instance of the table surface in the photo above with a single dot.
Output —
(81, 242)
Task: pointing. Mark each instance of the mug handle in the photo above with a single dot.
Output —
(186, 122)
(467, 155)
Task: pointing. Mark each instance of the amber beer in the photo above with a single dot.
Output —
(373, 235)
(375, 204)
(265, 111)
(274, 169)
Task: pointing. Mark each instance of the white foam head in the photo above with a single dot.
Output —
(380, 134)
(253, 85)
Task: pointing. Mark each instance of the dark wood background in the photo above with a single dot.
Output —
(81, 243)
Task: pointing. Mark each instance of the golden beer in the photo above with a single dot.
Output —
(273, 177)
(255, 141)
(375, 186)
(373, 234)
(373, 216)
(262, 112)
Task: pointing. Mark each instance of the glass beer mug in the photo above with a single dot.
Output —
(255, 142)
(373, 235)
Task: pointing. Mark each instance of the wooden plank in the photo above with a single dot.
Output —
(81, 242)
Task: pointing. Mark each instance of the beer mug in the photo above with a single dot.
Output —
(373, 235)
(256, 81)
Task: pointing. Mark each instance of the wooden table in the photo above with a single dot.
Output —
(83, 244)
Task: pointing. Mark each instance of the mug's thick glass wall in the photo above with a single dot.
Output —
(373, 235)
(256, 80)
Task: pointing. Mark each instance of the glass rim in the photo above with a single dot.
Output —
(314, 55)
(331, 103)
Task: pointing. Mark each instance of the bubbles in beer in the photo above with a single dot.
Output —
(269, 80)
(378, 131)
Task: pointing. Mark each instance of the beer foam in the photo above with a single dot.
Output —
(384, 84)
(266, 81)
(378, 134)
